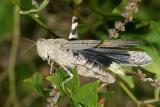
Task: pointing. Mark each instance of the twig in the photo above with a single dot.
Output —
(135, 100)
(149, 101)
(12, 58)
(143, 77)
(34, 16)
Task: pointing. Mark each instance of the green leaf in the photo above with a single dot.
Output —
(104, 7)
(36, 83)
(71, 87)
(154, 66)
(43, 4)
(128, 80)
(148, 11)
(120, 8)
(27, 4)
(87, 95)
(153, 35)
(106, 95)
(30, 8)
(57, 79)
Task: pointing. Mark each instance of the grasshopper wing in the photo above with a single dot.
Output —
(125, 56)
(85, 44)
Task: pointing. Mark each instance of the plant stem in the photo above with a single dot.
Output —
(156, 92)
(149, 101)
(12, 57)
(33, 16)
(122, 85)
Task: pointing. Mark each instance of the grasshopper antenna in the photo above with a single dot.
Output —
(29, 47)
(29, 40)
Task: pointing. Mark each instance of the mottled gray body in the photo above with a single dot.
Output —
(91, 57)
(54, 50)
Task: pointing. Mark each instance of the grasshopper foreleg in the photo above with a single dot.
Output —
(51, 63)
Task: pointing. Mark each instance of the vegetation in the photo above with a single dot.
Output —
(24, 76)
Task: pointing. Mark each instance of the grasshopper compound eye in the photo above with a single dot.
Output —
(42, 48)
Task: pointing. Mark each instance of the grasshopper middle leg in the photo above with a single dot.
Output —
(69, 73)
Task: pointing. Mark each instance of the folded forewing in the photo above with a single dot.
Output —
(85, 44)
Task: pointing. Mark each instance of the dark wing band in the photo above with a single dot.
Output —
(123, 56)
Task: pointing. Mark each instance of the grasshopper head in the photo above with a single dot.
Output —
(42, 48)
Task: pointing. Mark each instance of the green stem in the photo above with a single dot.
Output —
(149, 101)
(156, 92)
(156, 99)
(12, 57)
(122, 85)
(33, 16)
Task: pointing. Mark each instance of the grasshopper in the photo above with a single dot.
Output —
(93, 58)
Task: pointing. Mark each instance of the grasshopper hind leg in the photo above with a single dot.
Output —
(74, 33)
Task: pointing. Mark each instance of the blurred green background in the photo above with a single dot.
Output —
(95, 17)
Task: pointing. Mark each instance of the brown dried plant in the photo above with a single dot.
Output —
(119, 26)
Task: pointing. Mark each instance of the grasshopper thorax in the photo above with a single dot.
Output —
(49, 48)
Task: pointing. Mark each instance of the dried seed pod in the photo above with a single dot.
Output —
(130, 9)
(113, 33)
(119, 26)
